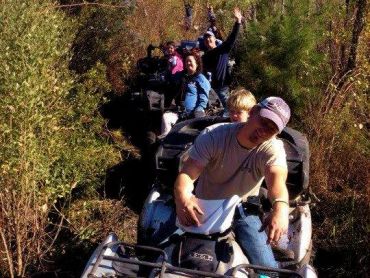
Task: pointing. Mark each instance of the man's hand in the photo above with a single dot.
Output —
(188, 211)
(187, 208)
(277, 222)
(238, 15)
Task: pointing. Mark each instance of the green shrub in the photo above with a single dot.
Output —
(277, 52)
(50, 130)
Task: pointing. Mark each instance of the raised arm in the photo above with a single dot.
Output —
(187, 209)
(211, 13)
(228, 44)
(277, 223)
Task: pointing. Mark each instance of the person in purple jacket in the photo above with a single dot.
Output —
(216, 59)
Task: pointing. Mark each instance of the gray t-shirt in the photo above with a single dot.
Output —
(230, 168)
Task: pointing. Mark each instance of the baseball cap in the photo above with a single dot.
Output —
(276, 110)
(209, 33)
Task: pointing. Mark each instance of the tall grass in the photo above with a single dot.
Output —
(339, 175)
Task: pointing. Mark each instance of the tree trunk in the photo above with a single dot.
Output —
(358, 25)
(344, 43)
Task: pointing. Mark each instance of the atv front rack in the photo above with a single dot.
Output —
(164, 267)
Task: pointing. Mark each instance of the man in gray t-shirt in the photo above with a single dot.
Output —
(233, 159)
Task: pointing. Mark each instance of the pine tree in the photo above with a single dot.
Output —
(277, 53)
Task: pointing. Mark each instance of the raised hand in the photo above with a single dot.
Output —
(238, 15)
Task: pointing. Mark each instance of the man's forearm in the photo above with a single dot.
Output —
(279, 197)
(184, 184)
(184, 187)
(277, 190)
(279, 194)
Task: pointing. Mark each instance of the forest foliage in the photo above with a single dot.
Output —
(62, 60)
(52, 140)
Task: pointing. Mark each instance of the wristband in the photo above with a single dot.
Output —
(280, 200)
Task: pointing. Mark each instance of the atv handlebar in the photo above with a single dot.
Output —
(163, 266)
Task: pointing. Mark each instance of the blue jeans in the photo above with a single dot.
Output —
(251, 240)
(223, 94)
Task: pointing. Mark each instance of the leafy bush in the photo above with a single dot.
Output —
(51, 139)
(277, 53)
(95, 219)
(98, 39)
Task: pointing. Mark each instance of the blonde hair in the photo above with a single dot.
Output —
(241, 99)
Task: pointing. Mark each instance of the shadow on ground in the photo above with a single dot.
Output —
(335, 262)
(132, 177)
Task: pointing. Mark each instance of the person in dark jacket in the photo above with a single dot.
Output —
(216, 59)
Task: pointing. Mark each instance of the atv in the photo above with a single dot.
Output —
(156, 91)
(165, 250)
(154, 84)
